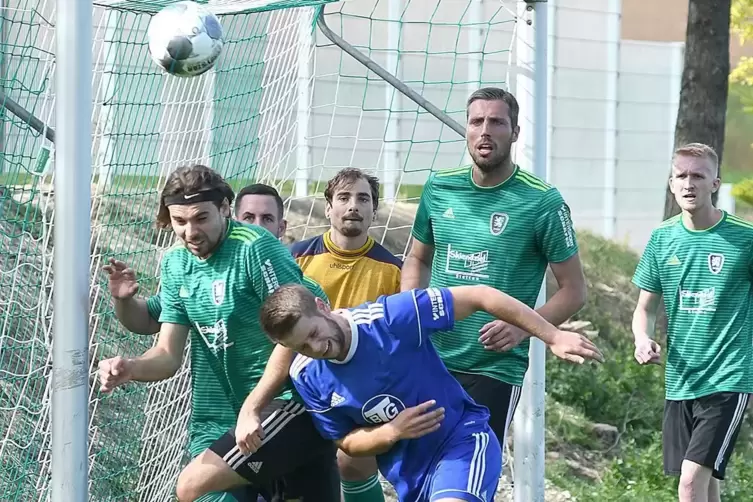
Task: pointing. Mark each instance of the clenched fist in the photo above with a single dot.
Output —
(113, 373)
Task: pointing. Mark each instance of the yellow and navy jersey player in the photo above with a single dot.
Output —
(350, 266)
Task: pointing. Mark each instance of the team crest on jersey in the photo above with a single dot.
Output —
(716, 262)
(382, 409)
(498, 222)
(218, 291)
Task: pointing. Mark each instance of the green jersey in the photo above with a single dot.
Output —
(502, 236)
(706, 279)
(219, 299)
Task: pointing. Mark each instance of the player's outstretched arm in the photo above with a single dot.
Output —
(573, 347)
(644, 323)
(248, 431)
(158, 363)
(411, 423)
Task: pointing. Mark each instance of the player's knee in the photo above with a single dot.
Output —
(192, 482)
(355, 468)
(189, 487)
(694, 481)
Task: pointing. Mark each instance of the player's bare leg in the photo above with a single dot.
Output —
(715, 493)
(359, 478)
(205, 474)
(694, 483)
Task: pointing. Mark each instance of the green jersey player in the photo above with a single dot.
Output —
(213, 284)
(492, 223)
(701, 263)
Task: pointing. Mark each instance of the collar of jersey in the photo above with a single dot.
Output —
(353, 338)
(495, 187)
(346, 253)
(705, 230)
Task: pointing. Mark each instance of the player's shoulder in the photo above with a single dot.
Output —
(245, 234)
(453, 178)
(738, 225)
(312, 380)
(379, 253)
(534, 187)
(667, 227)
(175, 255)
(308, 247)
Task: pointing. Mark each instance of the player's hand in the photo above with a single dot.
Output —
(121, 280)
(500, 336)
(248, 431)
(113, 373)
(575, 348)
(417, 421)
(647, 351)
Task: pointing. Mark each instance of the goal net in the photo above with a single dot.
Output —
(286, 104)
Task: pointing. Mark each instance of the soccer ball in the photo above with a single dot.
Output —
(185, 39)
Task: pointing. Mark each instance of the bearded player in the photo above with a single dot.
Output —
(213, 284)
(376, 386)
(701, 263)
(492, 223)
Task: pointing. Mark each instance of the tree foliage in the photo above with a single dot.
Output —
(705, 81)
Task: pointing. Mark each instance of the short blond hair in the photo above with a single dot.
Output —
(282, 310)
(700, 151)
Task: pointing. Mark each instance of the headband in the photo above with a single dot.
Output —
(213, 195)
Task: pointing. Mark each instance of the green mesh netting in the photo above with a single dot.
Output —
(261, 115)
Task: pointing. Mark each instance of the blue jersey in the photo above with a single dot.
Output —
(391, 365)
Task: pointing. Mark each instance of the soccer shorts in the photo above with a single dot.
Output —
(499, 397)
(469, 466)
(702, 430)
(291, 447)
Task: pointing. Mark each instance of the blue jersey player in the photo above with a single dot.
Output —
(375, 385)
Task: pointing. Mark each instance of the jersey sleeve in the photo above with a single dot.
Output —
(646, 274)
(171, 274)
(270, 265)
(332, 423)
(315, 288)
(154, 307)
(419, 312)
(555, 234)
(422, 230)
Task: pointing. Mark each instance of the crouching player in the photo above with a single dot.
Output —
(375, 385)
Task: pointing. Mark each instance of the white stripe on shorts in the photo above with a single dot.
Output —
(273, 424)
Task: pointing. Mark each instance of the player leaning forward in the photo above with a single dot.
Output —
(701, 262)
(213, 283)
(375, 385)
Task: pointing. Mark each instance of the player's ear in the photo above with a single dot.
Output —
(283, 227)
(515, 134)
(225, 208)
(322, 306)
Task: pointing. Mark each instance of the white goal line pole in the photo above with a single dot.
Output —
(72, 234)
(529, 425)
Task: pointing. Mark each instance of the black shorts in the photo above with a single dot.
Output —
(293, 456)
(501, 398)
(702, 430)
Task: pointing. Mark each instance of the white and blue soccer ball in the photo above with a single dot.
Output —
(185, 39)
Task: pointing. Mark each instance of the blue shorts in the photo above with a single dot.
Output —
(469, 466)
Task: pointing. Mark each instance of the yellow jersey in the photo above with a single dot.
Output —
(349, 278)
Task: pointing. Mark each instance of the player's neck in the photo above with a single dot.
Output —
(494, 177)
(702, 219)
(348, 243)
